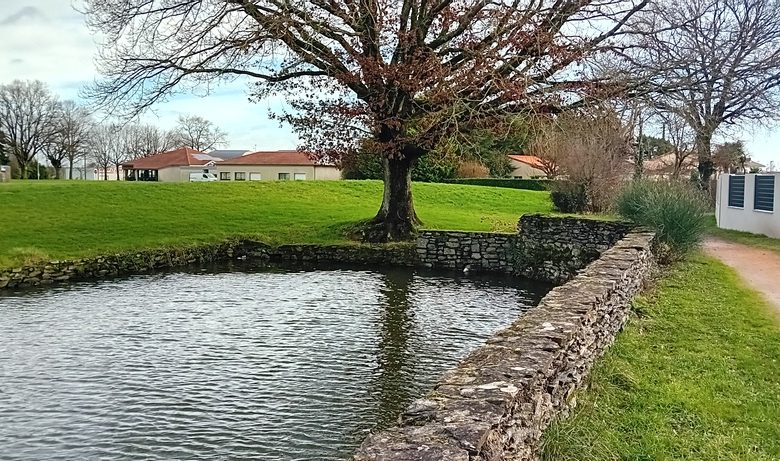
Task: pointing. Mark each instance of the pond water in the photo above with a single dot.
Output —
(247, 363)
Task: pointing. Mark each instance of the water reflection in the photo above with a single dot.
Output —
(265, 365)
(394, 355)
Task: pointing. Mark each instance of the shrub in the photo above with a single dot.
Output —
(569, 197)
(527, 184)
(675, 210)
(472, 169)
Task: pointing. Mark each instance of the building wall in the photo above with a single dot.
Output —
(525, 171)
(327, 173)
(747, 219)
(271, 172)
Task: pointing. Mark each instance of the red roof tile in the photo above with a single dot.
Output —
(531, 160)
(183, 156)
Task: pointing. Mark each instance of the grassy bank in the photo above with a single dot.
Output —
(696, 376)
(65, 219)
(745, 238)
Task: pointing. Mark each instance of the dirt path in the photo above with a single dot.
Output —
(759, 268)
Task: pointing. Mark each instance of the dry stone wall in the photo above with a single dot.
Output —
(477, 251)
(498, 401)
(555, 248)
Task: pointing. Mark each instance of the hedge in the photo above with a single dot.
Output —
(528, 184)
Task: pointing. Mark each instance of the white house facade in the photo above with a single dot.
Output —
(749, 203)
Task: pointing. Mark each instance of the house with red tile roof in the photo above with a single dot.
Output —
(277, 165)
(526, 167)
(186, 164)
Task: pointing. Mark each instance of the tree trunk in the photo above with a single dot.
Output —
(57, 165)
(396, 219)
(105, 173)
(704, 152)
(70, 169)
(116, 168)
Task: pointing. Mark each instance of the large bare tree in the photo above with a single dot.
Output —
(406, 72)
(710, 62)
(28, 113)
(198, 133)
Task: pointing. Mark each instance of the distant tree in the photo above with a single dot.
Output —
(198, 133)
(103, 143)
(731, 157)
(710, 62)
(408, 73)
(590, 148)
(152, 140)
(28, 113)
(73, 127)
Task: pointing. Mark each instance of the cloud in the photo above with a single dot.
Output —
(26, 14)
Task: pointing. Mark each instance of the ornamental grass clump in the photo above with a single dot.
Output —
(675, 210)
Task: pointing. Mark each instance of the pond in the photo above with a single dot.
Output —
(234, 363)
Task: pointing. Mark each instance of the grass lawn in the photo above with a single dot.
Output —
(65, 219)
(695, 377)
(746, 238)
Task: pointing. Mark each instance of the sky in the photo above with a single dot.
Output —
(47, 40)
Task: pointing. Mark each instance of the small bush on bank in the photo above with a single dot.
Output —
(676, 210)
(569, 197)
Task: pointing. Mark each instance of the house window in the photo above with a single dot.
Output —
(255, 177)
(764, 193)
(299, 176)
(737, 191)
(284, 176)
(224, 176)
(240, 176)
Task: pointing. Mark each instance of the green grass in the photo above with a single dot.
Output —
(66, 219)
(745, 238)
(695, 377)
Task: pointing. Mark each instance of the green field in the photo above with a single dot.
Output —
(695, 376)
(66, 219)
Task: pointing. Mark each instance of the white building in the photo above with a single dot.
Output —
(179, 165)
(748, 202)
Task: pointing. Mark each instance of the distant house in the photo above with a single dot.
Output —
(182, 164)
(663, 167)
(276, 166)
(526, 166)
(171, 166)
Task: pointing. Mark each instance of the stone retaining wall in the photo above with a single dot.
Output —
(123, 264)
(477, 251)
(553, 249)
(153, 260)
(498, 401)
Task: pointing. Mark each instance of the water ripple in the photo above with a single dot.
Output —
(251, 364)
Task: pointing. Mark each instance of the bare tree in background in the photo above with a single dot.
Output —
(681, 137)
(198, 133)
(103, 142)
(712, 63)
(153, 140)
(405, 72)
(589, 147)
(72, 127)
(28, 113)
